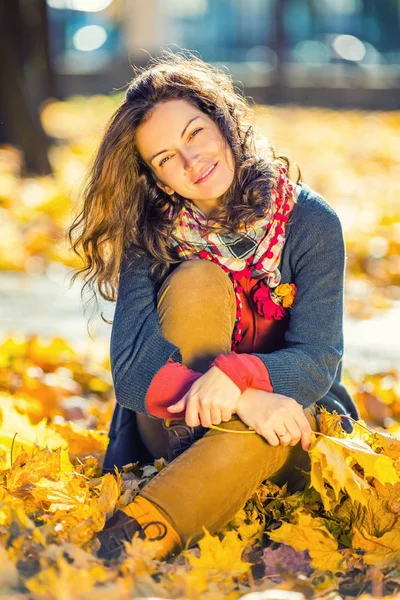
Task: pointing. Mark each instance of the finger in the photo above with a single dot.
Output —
(284, 440)
(216, 415)
(226, 415)
(293, 432)
(205, 416)
(178, 406)
(269, 434)
(305, 429)
(192, 413)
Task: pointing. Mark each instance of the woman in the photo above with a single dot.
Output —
(229, 286)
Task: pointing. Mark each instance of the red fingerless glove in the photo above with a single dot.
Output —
(174, 380)
(168, 386)
(246, 370)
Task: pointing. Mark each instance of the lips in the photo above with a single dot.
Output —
(206, 173)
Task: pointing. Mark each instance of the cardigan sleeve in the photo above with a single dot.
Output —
(306, 368)
(137, 348)
(147, 372)
(174, 380)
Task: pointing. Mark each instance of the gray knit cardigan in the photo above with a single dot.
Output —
(307, 369)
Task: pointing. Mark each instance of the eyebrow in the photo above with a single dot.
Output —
(182, 134)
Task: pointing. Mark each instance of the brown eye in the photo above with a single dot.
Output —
(195, 131)
(191, 135)
(161, 162)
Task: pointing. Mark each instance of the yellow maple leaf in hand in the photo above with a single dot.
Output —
(338, 461)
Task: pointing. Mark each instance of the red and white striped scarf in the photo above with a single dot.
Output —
(258, 247)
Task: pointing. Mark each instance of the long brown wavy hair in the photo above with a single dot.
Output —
(122, 205)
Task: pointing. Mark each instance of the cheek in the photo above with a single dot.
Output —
(229, 157)
(225, 149)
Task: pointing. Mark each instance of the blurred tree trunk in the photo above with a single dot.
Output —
(26, 79)
(278, 44)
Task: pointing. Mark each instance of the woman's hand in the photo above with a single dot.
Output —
(269, 414)
(210, 400)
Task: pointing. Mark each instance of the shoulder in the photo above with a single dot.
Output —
(313, 217)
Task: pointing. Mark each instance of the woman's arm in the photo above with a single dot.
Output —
(306, 368)
(147, 372)
(137, 349)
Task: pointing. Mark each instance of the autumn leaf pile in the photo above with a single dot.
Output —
(342, 532)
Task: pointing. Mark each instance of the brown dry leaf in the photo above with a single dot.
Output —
(248, 526)
(376, 517)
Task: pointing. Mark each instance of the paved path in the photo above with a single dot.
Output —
(46, 306)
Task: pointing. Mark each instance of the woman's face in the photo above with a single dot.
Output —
(180, 144)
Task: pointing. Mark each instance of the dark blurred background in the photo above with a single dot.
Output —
(336, 53)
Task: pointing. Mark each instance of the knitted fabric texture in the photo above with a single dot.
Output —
(307, 369)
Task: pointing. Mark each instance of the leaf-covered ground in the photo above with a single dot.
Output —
(339, 538)
(341, 535)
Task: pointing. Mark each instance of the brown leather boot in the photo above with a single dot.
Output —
(180, 436)
(122, 527)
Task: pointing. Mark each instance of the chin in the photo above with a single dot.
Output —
(223, 189)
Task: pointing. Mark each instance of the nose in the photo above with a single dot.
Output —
(190, 160)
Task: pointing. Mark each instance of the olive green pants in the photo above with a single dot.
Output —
(212, 480)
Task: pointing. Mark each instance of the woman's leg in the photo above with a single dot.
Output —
(212, 479)
(197, 310)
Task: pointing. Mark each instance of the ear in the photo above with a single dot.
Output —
(165, 189)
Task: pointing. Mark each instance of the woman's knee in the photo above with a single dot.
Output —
(195, 281)
(196, 288)
(197, 310)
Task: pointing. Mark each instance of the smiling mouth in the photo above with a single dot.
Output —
(207, 175)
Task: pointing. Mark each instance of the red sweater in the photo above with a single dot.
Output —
(174, 380)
